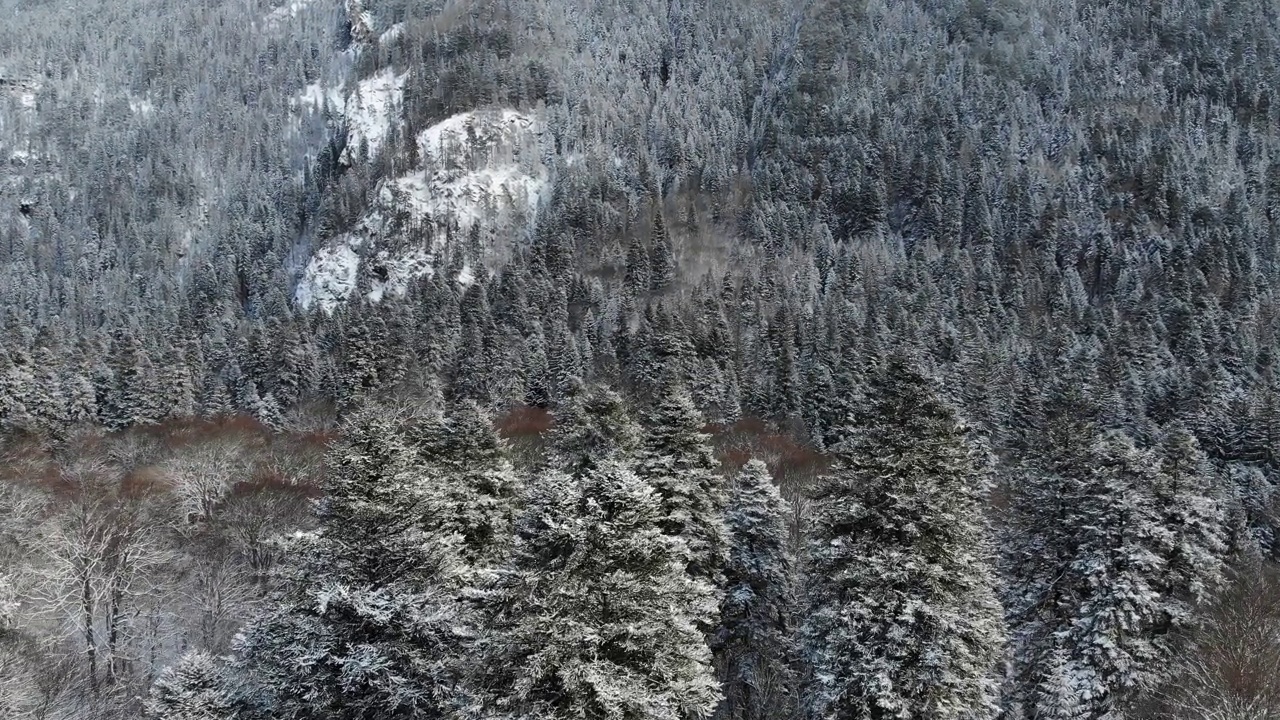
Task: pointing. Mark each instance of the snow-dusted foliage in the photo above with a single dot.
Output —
(1116, 568)
(367, 624)
(1191, 513)
(470, 491)
(8, 605)
(593, 425)
(1112, 545)
(755, 644)
(676, 459)
(902, 618)
(596, 618)
(195, 688)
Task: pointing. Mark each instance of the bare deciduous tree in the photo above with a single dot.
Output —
(1229, 668)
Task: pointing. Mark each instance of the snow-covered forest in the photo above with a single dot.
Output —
(640, 359)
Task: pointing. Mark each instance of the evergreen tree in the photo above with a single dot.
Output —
(754, 643)
(1112, 636)
(596, 617)
(662, 263)
(902, 618)
(195, 688)
(367, 624)
(592, 424)
(468, 486)
(1057, 696)
(1193, 518)
(677, 460)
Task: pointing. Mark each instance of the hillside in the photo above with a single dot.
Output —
(1029, 244)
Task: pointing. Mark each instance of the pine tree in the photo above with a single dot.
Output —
(592, 424)
(194, 688)
(637, 277)
(596, 618)
(367, 624)
(468, 486)
(902, 618)
(754, 643)
(1112, 634)
(676, 458)
(1194, 521)
(1056, 697)
(662, 263)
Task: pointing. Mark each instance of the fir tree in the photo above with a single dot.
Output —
(1193, 518)
(754, 643)
(367, 624)
(195, 688)
(468, 486)
(592, 424)
(1111, 637)
(596, 618)
(676, 458)
(662, 264)
(902, 618)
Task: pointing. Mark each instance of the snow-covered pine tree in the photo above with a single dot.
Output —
(469, 489)
(1056, 696)
(596, 618)
(1112, 638)
(194, 688)
(902, 618)
(754, 644)
(593, 423)
(676, 458)
(366, 624)
(1054, 442)
(1195, 523)
(662, 262)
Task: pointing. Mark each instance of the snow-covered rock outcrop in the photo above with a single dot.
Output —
(370, 110)
(480, 170)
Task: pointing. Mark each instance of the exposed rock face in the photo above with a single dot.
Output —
(480, 172)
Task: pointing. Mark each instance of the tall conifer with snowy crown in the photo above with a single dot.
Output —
(902, 621)
(596, 618)
(754, 643)
(368, 626)
(676, 459)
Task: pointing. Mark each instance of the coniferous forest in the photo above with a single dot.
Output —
(640, 360)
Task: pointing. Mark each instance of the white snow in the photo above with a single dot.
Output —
(286, 12)
(141, 106)
(24, 91)
(331, 275)
(315, 95)
(391, 33)
(400, 271)
(479, 168)
(370, 110)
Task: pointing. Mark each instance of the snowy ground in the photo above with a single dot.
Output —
(477, 168)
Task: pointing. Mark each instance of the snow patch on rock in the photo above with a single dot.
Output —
(391, 34)
(370, 111)
(331, 275)
(316, 95)
(286, 12)
(141, 106)
(479, 169)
